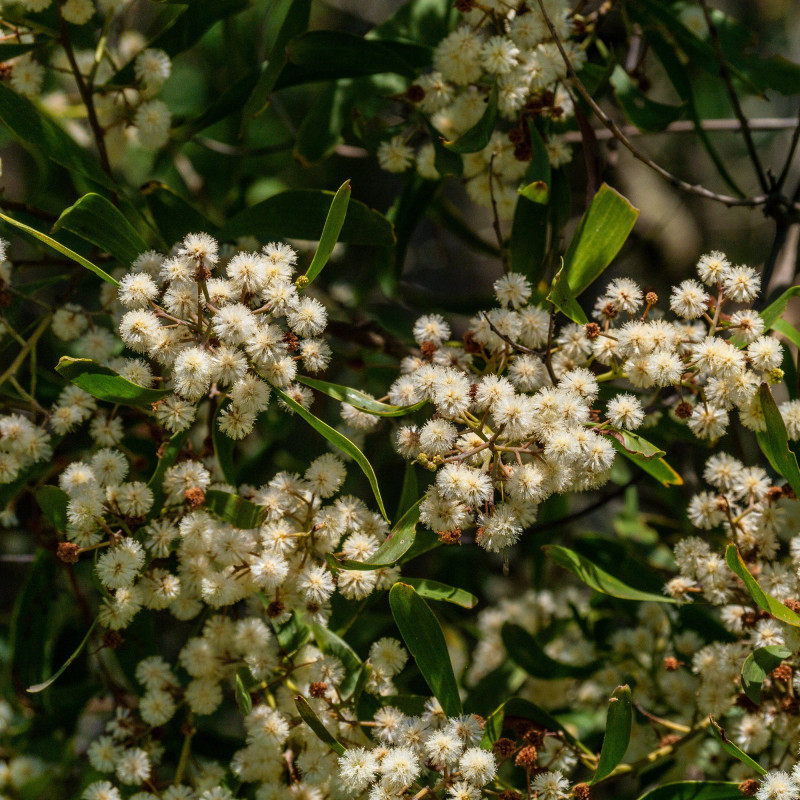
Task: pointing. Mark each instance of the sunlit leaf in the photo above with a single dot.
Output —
(434, 590)
(314, 722)
(478, 136)
(729, 747)
(239, 512)
(330, 231)
(758, 665)
(695, 790)
(357, 399)
(40, 687)
(617, 735)
(105, 384)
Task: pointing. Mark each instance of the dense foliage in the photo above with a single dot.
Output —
(361, 438)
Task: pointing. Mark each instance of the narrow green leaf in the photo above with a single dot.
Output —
(290, 19)
(536, 192)
(321, 129)
(787, 330)
(40, 687)
(601, 233)
(172, 450)
(774, 311)
(526, 651)
(314, 722)
(357, 399)
(174, 215)
(646, 456)
(774, 442)
(729, 747)
(396, 545)
(761, 598)
(333, 645)
(644, 113)
(239, 512)
(243, 700)
(330, 231)
(434, 590)
(35, 129)
(105, 384)
(758, 665)
(598, 579)
(528, 242)
(618, 733)
(446, 161)
(409, 493)
(328, 55)
(57, 246)
(695, 790)
(337, 440)
(478, 136)
(53, 502)
(301, 214)
(425, 641)
(98, 221)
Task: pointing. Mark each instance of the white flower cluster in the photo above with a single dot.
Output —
(222, 334)
(22, 444)
(415, 751)
(126, 114)
(512, 48)
(780, 785)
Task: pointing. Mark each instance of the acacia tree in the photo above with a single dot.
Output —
(284, 521)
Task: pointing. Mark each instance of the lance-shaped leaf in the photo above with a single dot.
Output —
(599, 579)
(171, 450)
(338, 440)
(40, 687)
(239, 512)
(761, 598)
(330, 231)
(244, 701)
(601, 233)
(105, 384)
(774, 311)
(314, 722)
(53, 502)
(644, 113)
(758, 665)
(98, 221)
(434, 590)
(389, 553)
(774, 442)
(478, 136)
(526, 651)
(618, 733)
(357, 399)
(729, 747)
(695, 790)
(645, 455)
(536, 192)
(301, 214)
(174, 216)
(333, 645)
(425, 641)
(58, 247)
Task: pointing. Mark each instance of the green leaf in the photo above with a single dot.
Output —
(618, 733)
(105, 384)
(38, 131)
(645, 455)
(328, 55)
(774, 442)
(758, 665)
(526, 651)
(409, 493)
(598, 579)
(787, 330)
(478, 136)
(172, 450)
(775, 310)
(644, 113)
(425, 641)
(330, 231)
(53, 502)
(445, 161)
(96, 220)
(761, 598)
(357, 399)
(601, 233)
(427, 21)
(528, 242)
(729, 747)
(396, 545)
(174, 216)
(40, 687)
(314, 722)
(695, 790)
(536, 192)
(57, 246)
(434, 590)
(301, 214)
(243, 700)
(338, 440)
(290, 19)
(333, 645)
(239, 512)
(321, 128)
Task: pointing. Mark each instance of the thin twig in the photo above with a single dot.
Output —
(612, 126)
(734, 98)
(790, 155)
